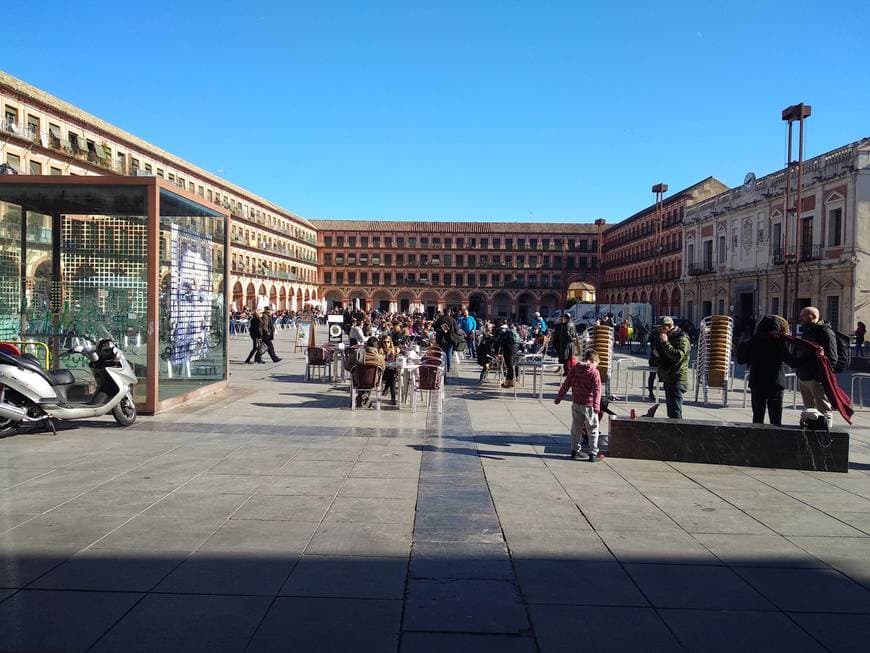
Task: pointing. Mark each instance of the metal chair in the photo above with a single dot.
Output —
(429, 379)
(320, 359)
(496, 367)
(366, 378)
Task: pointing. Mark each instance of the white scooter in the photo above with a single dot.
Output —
(30, 394)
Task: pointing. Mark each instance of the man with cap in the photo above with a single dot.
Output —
(672, 350)
(538, 323)
(267, 333)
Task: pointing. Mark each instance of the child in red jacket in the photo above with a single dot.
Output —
(585, 383)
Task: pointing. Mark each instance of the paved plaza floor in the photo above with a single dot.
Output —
(273, 518)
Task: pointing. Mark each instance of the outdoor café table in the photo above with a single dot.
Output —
(338, 371)
(406, 369)
(629, 377)
(538, 365)
(618, 361)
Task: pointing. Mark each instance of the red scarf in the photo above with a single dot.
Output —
(836, 395)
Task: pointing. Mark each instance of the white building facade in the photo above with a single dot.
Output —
(734, 246)
(273, 252)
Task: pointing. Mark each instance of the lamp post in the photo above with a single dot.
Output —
(795, 113)
(659, 189)
(600, 263)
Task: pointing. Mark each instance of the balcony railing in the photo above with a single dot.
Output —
(811, 252)
(701, 268)
(263, 272)
(808, 251)
(780, 255)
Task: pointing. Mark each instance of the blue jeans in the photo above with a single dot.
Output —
(674, 399)
(448, 351)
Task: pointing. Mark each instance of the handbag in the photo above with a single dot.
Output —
(261, 348)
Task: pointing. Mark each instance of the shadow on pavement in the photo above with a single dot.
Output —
(624, 594)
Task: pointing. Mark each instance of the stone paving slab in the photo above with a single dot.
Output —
(271, 517)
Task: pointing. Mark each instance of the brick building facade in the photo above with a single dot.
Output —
(498, 269)
(642, 255)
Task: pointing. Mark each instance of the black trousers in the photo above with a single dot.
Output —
(508, 357)
(771, 401)
(270, 348)
(255, 351)
(389, 380)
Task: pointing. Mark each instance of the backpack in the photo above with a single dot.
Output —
(844, 352)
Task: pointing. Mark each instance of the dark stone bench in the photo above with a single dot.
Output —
(729, 443)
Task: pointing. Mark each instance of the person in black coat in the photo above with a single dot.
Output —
(807, 366)
(255, 331)
(486, 351)
(267, 333)
(506, 344)
(564, 336)
(766, 353)
(446, 334)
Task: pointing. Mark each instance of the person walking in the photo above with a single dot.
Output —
(585, 383)
(672, 354)
(446, 335)
(267, 333)
(468, 324)
(766, 353)
(564, 335)
(806, 364)
(860, 333)
(254, 324)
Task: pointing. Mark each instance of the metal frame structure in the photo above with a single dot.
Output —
(24, 191)
(795, 113)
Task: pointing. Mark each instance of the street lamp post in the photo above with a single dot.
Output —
(795, 113)
(600, 263)
(659, 189)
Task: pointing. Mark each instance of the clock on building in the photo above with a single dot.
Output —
(749, 182)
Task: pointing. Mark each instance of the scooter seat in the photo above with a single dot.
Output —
(25, 362)
(61, 377)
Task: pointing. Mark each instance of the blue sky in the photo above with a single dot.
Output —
(501, 110)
